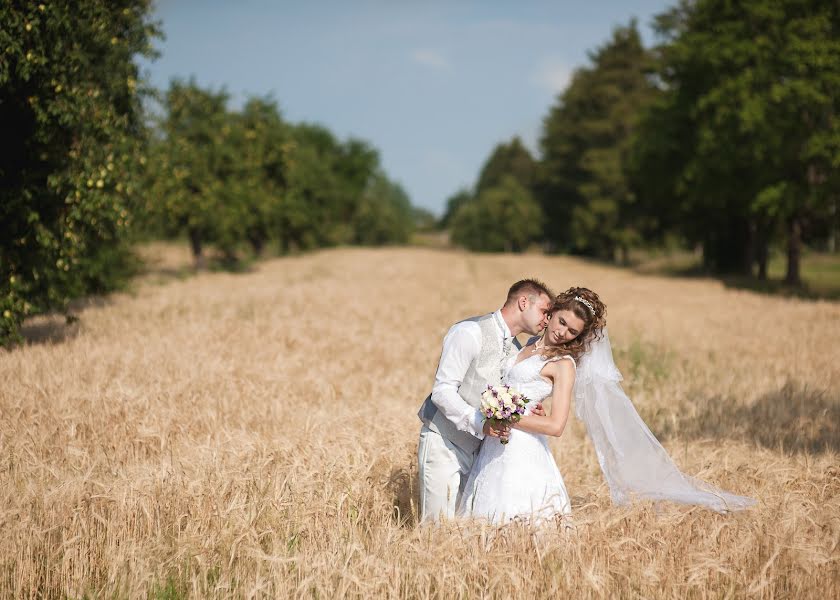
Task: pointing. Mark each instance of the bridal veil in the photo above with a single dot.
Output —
(633, 461)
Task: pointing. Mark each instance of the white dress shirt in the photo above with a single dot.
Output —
(460, 347)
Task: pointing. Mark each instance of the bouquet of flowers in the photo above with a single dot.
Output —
(502, 404)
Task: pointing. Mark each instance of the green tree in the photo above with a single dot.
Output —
(424, 219)
(196, 164)
(584, 188)
(264, 144)
(453, 204)
(326, 181)
(505, 218)
(71, 152)
(384, 214)
(753, 90)
(510, 159)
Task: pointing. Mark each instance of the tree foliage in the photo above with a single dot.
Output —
(504, 218)
(453, 204)
(724, 136)
(584, 189)
(71, 152)
(503, 198)
(80, 164)
(193, 159)
(384, 214)
(510, 159)
(752, 93)
(249, 177)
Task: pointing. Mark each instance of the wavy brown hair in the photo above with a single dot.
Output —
(593, 323)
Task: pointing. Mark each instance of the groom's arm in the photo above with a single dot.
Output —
(460, 347)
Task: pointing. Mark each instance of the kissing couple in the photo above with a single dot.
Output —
(498, 471)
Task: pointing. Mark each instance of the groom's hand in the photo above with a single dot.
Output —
(499, 431)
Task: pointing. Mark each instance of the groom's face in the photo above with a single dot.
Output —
(535, 315)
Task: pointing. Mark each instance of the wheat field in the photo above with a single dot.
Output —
(254, 435)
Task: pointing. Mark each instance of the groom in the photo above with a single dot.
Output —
(475, 352)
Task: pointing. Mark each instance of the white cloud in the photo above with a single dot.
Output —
(552, 74)
(431, 58)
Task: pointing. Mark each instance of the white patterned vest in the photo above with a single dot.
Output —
(483, 370)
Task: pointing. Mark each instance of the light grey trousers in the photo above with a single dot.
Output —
(444, 469)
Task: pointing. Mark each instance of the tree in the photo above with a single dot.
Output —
(263, 145)
(327, 179)
(511, 159)
(71, 153)
(502, 218)
(753, 93)
(453, 204)
(424, 219)
(384, 214)
(195, 161)
(561, 145)
(586, 136)
(658, 150)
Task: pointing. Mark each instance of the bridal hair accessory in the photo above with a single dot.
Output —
(587, 303)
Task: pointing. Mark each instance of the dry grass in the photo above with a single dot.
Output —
(254, 435)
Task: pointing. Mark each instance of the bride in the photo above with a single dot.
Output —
(520, 480)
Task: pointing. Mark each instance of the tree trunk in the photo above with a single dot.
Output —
(725, 249)
(195, 243)
(258, 244)
(794, 252)
(706, 249)
(761, 258)
(749, 251)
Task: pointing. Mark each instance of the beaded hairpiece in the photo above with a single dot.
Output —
(587, 303)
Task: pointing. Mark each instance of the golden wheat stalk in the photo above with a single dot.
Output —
(254, 435)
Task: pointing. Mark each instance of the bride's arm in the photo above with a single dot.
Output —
(562, 375)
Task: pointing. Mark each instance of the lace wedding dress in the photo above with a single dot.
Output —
(517, 480)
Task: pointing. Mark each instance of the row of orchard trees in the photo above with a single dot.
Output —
(85, 170)
(726, 135)
(231, 177)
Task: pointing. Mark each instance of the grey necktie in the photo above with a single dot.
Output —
(508, 350)
(508, 347)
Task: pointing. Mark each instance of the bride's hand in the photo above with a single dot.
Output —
(536, 411)
(503, 431)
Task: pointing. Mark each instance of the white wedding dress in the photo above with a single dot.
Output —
(517, 480)
(521, 479)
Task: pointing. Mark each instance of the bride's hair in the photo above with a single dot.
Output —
(593, 314)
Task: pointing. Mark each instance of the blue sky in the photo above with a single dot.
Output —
(432, 85)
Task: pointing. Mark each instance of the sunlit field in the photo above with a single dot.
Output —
(253, 435)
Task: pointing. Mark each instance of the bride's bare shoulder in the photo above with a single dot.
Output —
(560, 367)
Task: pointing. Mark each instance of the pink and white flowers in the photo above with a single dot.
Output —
(502, 404)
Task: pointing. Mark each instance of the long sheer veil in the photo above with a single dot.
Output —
(633, 461)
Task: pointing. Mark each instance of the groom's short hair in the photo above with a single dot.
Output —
(528, 287)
